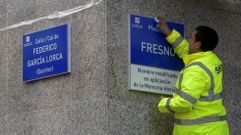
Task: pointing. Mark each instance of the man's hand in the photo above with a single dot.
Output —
(162, 26)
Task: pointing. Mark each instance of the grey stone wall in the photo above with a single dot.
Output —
(135, 112)
(72, 104)
(94, 98)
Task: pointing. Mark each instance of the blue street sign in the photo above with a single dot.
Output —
(46, 53)
(149, 47)
(153, 65)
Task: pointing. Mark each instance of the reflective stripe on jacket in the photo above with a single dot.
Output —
(197, 99)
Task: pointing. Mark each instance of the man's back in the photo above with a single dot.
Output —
(197, 103)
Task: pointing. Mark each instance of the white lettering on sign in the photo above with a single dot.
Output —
(152, 28)
(137, 26)
(54, 57)
(51, 37)
(39, 41)
(45, 48)
(44, 70)
(46, 39)
(28, 44)
(157, 49)
(47, 59)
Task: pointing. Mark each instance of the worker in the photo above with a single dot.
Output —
(196, 103)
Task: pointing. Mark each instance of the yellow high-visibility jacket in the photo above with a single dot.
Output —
(196, 103)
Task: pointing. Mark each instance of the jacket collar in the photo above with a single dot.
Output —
(191, 57)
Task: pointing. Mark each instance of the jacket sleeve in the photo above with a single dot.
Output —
(181, 45)
(194, 82)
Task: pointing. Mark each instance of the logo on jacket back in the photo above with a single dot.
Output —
(218, 69)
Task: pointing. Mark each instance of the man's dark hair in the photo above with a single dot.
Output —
(207, 36)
